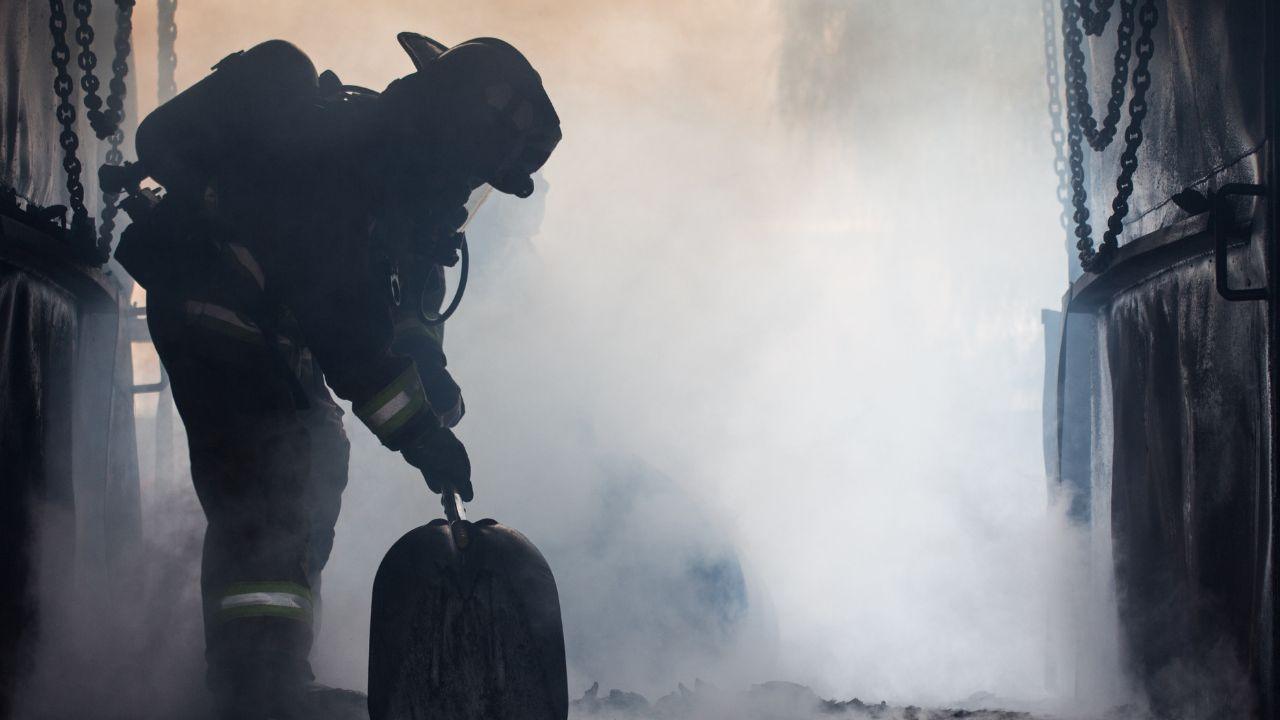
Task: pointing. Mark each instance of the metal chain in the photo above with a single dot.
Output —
(1100, 138)
(1132, 135)
(167, 35)
(1095, 21)
(115, 115)
(120, 63)
(66, 110)
(87, 60)
(1071, 37)
(1057, 133)
(1079, 115)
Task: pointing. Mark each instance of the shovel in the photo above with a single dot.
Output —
(465, 625)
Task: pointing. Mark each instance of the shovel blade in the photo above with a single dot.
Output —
(466, 634)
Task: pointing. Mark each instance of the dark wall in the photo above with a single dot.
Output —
(68, 467)
(1190, 478)
(1183, 441)
(38, 329)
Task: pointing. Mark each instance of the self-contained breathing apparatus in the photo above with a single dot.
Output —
(477, 110)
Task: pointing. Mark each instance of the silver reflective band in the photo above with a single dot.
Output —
(289, 601)
(275, 599)
(389, 410)
(395, 405)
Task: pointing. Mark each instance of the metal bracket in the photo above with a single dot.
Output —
(1221, 220)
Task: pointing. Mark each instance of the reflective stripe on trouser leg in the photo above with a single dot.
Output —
(390, 409)
(265, 599)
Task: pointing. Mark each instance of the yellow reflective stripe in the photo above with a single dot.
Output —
(222, 320)
(391, 408)
(265, 599)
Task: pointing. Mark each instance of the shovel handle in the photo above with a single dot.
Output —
(454, 510)
(456, 513)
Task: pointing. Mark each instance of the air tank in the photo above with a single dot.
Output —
(242, 116)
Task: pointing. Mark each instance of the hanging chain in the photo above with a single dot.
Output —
(1095, 21)
(87, 60)
(115, 115)
(1133, 134)
(1071, 37)
(1100, 138)
(167, 35)
(63, 86)
(1057, 134)
(120, 66)
(1079, 119)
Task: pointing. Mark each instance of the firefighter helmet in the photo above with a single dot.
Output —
(479, 108)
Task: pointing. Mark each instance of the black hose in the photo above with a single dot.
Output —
(430, 319)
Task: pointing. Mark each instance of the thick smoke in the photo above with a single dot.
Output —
(760, 368)
(802, 326)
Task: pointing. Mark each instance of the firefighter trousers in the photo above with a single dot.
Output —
(269, 463)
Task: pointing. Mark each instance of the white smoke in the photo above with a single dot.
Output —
(819, 318)
(783, 308)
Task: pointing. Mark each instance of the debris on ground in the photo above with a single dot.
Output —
(774, 700)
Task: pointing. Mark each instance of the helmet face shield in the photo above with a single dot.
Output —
(474, 203)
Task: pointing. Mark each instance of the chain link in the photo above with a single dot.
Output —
(120, 64)
(1072, 38)
(1057, 133)
(1146, 48)
(63, 86)
(115, 115)
(1080, 120)
(1095, 21)
(1100, 138)
(167, 35)
(87, 61)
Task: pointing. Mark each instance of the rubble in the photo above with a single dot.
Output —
(775, 700)
(330, 703)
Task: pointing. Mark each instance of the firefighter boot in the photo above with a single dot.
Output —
(259, 675)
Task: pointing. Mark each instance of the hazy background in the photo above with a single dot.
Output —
(760, 368)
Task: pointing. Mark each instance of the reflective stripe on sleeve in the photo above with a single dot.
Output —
(391, 408)
(265, 599)
(222, 320)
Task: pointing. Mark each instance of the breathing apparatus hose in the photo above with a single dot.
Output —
(473, 206)
(428, 318)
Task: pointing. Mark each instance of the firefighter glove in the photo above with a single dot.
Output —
(443, 461)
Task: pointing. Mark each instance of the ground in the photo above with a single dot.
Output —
(767, 701)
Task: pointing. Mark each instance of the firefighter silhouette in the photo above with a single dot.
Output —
(300, 246)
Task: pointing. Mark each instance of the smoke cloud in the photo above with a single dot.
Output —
(759, 369)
